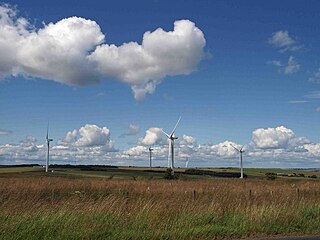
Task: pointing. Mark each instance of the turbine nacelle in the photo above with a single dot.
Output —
(173, 137)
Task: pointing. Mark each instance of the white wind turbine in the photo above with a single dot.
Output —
(187, 162)
(150, 156)
(48, 140)
(171, 137)
(240, 151)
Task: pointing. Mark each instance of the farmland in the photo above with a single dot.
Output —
(133, 203)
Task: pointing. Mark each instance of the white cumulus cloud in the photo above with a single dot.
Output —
(272, 138)
(152, 136)
(87, 136)
(72, 51)
(313, 149)
(161, 54)
(225, 149)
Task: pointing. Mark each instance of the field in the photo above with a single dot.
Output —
(129, 203)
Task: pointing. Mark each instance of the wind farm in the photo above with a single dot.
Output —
(187, 120)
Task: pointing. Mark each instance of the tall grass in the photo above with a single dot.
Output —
(60, 208)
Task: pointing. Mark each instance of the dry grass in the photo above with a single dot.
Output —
(156, 209)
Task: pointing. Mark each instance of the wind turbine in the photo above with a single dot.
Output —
(150, 156)
(187, 162)
(171, 139)
(48, 140)
(240, 151)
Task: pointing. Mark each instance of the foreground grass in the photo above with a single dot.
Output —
(61, 208)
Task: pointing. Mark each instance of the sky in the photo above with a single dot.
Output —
(109, 76)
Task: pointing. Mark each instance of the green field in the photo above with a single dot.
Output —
(139, 172)
(130, 203)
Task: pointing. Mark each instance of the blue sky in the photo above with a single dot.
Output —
(257, 70)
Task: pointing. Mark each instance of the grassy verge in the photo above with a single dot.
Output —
(62, 208)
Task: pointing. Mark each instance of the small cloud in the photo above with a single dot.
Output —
(284, 42)
(297, 101)
(276, 63)
(292, 67)
(4, 132)
(133, 130)
(318, 109)
(100, 94)
(314, 94)
(316, 77)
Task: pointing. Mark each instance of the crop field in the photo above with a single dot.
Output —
(133, 204)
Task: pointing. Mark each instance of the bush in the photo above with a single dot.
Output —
(271, 176)
(169, 174)
(312, 176)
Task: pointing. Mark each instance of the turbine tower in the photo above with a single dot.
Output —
(150, 156)
(48, 140)
(240, 151)
(187, 162)
(171, 137)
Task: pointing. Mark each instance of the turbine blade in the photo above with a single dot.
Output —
(234, 147)
(175, 127)
(47, 137)
(168, 136)
(241, 148)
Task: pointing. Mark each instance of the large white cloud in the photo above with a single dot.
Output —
(272, 137)
(88, 135)
(313, 149)
(10, 36)
(72, 52)
(136, 151)
(161, 54)
(58, 51)
(278, 138)
(152, 136)
(225, 149)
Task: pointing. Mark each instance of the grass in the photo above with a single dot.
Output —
(57, 206)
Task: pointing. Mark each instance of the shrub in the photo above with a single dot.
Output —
(271, 176)
(313, 176)
(169, 174)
